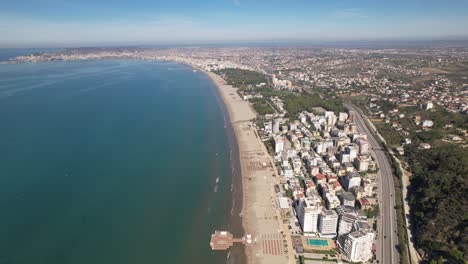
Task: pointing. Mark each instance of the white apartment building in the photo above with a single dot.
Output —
(361, 163)
(358, 246)
(328, 222)
(297, 164)
(293, 126)
(363, 146)
(332, 201)
(342, 116)
(351, 180)
(305, 143)
(275, 126)
(331, 120)
(279, 144)
(352, 150)
(308, 212)
(346, 223)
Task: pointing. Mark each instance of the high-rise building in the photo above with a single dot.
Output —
(346, 223)
(352, 150)
(331, 201)
(297, 164)
(350, 180)
(357, 246)
(320, 148)
(347, 199)
(361, 163)
(305, 143)
(328, 222)
(292, 126)
(268, 127)
(344, 157)
(331, 119)
(342, 116)
(363, 146)
(276, 126)
(308, 211)
(279, 144)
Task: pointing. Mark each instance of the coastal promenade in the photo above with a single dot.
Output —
(259, 216)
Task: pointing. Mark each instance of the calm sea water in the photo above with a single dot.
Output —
(111, 162)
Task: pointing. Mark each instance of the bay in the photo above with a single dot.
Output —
(115, 161)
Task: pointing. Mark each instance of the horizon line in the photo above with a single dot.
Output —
(292, 42)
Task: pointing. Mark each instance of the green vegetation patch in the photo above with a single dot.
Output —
(261, 106)
(441, 117)
(391, 136)
(238, 77)
(372, 212)
(439, 207)
(270, 92)
(295, 104)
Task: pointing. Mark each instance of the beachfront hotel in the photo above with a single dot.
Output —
(358, 246)
(308, 211)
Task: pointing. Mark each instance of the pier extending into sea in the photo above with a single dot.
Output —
(223, 240)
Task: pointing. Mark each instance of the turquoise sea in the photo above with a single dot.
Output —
(113, 161)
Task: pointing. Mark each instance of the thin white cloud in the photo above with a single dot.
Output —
(236, 2)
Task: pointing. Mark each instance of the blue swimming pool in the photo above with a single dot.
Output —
(317, 242)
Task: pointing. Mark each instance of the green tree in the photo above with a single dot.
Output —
(438, 201)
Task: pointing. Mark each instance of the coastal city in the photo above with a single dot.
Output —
(322, 158)
(341, 132)
(396, 76)
(234, 131)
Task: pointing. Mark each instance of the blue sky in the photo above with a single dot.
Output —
(104, 22)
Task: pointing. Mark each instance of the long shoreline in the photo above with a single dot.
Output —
(237, 254)
(237, 224)
(257, 176)
(238, 192)
(254, 173)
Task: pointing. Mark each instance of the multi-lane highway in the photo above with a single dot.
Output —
(387, 240)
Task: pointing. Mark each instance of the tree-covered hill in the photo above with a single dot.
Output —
(439, 205)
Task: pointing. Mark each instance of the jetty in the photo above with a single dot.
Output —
(223, 240)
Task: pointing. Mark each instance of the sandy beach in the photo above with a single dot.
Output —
(259, 216)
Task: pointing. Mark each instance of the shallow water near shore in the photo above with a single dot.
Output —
(116, 161)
